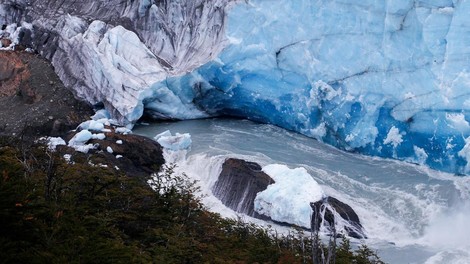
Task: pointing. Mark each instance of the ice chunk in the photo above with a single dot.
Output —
(99, 136)
(288, 199)
(80, 138)
(165, 133)
(92, 125)
(100, 114)
(78, 142)
(84, 147)
(109, 149)
(68, 158)
(123, 130)
(176, 142)
(53, 142)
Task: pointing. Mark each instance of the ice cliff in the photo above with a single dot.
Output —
(386, 78)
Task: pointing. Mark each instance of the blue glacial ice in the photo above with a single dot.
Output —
(383, 78)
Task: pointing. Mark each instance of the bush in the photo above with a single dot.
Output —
(53, 211)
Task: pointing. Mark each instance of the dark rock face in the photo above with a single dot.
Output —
(328, 209)
(33, 101)
(144, 153)
(141, 156)
(238, 184)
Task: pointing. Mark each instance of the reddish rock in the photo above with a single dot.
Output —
(13, 73)
(33, 100)
(4, 42)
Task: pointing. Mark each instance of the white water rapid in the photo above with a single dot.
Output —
(410, 213)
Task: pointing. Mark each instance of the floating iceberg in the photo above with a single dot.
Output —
(176, 142)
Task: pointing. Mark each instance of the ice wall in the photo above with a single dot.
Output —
(386, 78)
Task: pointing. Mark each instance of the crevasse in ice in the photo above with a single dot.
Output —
(385, 78)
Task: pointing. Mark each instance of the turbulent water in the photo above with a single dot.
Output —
(411, 214)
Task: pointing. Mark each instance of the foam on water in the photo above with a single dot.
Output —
(410, 213)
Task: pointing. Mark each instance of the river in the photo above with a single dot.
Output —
(410, 213)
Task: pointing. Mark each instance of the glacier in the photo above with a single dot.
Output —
(382, 78)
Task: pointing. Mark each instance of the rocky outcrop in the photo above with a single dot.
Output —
(88, 43)
(135, 155)
(13, 74)
(239, 183)
(331, 212)
(33, 101)
(138, 153)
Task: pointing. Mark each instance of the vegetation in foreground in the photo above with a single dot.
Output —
(87, 211)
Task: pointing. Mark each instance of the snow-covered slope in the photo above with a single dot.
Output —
(386, 78)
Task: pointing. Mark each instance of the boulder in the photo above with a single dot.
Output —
(239, 183)
(140, 155)
(327, 211)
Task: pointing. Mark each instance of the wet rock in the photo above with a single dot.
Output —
(239, 183)
(330, 211)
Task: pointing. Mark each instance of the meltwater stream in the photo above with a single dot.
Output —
(411, 214)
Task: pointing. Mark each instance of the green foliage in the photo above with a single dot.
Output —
(52, 211)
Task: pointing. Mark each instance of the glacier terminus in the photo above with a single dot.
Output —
(384, 78)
